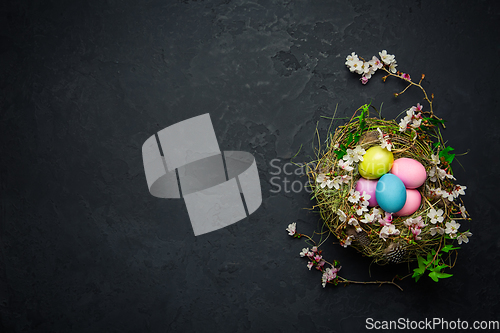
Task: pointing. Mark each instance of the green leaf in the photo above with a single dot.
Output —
(430, 257)
(339, 154)
(446, 154)
(421, 262)
(361, 117)
(434, 121)
(444, 275)
(356, 137)
(417, 275)
(418, 272)
(437, 269)
(341, 151)
(434, 276)
(350, 138)
(449, 247)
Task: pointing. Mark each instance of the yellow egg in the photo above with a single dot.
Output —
(377, 161)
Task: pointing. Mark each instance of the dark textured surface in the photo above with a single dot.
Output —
(85, 247)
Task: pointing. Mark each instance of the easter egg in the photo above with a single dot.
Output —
(413, 200)
(390, 193)
(410, 171)
(368, 186)
(377, 161)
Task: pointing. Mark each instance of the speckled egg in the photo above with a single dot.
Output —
(410, 171)
(390, 193)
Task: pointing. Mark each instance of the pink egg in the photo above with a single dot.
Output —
(410, 171)
(413, 200)
(368, 186)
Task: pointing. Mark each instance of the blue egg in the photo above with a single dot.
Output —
(390, 193)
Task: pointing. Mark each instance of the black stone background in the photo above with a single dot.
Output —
(86, 248)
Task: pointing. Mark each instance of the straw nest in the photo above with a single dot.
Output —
(422, 144)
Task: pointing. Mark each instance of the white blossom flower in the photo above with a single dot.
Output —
(432, 174)
(410, 113)
(353, 63)
(403, 124)
(387, 231)
(360, 152)
(368, 218)
(386, 220)
(351, 57)
(417, 121)
(342, 216)
(464, 237)
(364, 199)
(386, 58)
(435, 230)
(354, 155)
(411, 119)
(415, 225)
(459, 190)
(448, 195)
(322, 179)
(352, 221)
(360, 209)
(291, 228)
(354, 196)
(436, 172)
(310, 264)
(462, 211)
(392, 67)
(304, 252)
(377, 213)
(434, 192)
(435, 159)
(372, 217)
(416, 232)
(387, 144)
(408, 222)
(336, 182)
(418, 223)
(329, 274)
(376, 63)
(370, 72)
(385, 141)
(345, 179)
(328, 181)
(357, 66)
(365, 67)
(348, 241)
(345, 165)
(435, 215)
(452, 228)
(349, 157)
